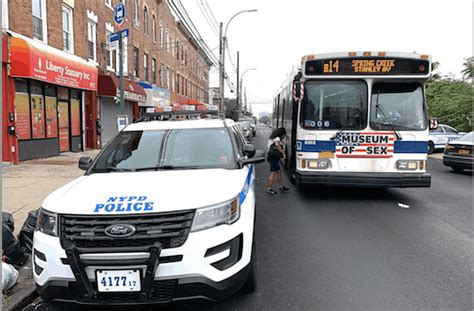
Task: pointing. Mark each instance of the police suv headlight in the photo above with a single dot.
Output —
(407, 165)
(213, 216)
(47, 222)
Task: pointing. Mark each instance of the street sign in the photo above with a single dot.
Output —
(114, 37)
(119, 14)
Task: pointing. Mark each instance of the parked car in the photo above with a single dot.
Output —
(250, 125)
(439, 137)
(458, 153)
(166, 212)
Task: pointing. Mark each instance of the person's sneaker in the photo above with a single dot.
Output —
(284, 189)
(271, 191)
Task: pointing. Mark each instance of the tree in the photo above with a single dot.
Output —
(468, 71)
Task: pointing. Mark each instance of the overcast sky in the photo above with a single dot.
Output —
(275, 37)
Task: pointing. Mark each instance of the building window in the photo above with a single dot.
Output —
(168, 78)
(153, 28)
(39, 19)
(153, 70)
(109, 54)
(167, 41)
(171, 44)
(109, 3)
(177, 49)
(145, 65)
(5, 14)
(92, 41)
(68, 37)
(135, 62)
(162, 75)
(135, 13)
(145, 21)
(161, 35)
(172, 81)
(177, 82)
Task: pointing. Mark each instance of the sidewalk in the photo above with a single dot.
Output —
(25, 186)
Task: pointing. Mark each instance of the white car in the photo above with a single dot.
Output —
(439, 137)
(165, 212)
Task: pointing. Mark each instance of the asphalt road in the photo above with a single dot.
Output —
(356, 249)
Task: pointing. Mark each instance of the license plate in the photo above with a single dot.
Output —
(463, 151)
(118, 280)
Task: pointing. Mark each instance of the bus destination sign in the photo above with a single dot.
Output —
(367, 66)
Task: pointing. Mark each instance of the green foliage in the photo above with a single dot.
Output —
(451, 102)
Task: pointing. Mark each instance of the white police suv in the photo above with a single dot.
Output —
(164, 213)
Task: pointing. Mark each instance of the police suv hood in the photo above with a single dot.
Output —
(146, 192)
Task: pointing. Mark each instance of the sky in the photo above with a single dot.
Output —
(274, 38)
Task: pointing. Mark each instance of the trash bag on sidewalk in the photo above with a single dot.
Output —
(26, 233)
(7, 219)
(12, 250)
(9, 276)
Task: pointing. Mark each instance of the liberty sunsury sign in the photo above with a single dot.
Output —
(30, 59)
(364, 144)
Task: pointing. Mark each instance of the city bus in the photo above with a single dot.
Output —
(356, 119)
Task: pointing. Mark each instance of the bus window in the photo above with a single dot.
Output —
(401, 104)
(282, 114)
(334, 105)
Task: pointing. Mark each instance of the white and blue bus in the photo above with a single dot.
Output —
(356, 119)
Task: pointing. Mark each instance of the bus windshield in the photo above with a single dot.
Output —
(400, 106)
(330, 105)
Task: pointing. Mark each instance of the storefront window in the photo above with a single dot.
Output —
(51, 103)
(75, 113)
(37, 111)
(22, 110)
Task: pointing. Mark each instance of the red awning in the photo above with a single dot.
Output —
(35, 60)
(109, 86)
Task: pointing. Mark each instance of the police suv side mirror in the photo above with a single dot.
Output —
(85, 163)
(258, 157)
(249, 150)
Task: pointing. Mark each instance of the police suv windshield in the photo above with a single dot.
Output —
(167, 149)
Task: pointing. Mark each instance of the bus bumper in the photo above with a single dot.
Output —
(399, 180)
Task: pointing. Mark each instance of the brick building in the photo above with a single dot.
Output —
(164, 67)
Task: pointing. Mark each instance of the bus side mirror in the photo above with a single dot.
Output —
(433, 123)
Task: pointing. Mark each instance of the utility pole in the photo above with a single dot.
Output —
(221, 70)
(239, 107)
(122, 101)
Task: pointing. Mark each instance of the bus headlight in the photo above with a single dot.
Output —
(407, 165)
(212, 216)
(318, 164)
(47, 222)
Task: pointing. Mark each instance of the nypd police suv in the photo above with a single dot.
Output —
(164, 213)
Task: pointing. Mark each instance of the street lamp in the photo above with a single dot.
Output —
(222, 45)
(240, 85)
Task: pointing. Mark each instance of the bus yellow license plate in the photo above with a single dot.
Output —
(118, 281)
(463, 151)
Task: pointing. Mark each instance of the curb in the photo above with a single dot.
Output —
(22, 299)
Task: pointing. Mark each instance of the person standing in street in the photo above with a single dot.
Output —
(274, 154)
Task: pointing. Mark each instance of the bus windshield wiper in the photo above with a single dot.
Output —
(358, 112)
(379, 106)
(166, 167)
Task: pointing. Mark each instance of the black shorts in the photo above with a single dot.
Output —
(274, 164)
